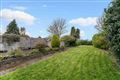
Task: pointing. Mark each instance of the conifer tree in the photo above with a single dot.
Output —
(112, 23)
(12, 28)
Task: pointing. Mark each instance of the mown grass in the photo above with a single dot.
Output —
(80, 63)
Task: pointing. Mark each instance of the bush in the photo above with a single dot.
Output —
(1, 58)
(34, 51)
(99, 41)
(55, 43)
(40, 46)
(11, 38)
(83, 42)
(16, 53)
(55, 49)
(69, 40)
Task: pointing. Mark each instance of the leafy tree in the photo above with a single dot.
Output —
(55, 41)
(69, 40)
(22, 31)
(112, 21)
(72, 31)
(99, 41)
(12, 28)
(75, 33)
(57, 27)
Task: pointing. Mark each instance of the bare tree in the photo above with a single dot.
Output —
(100, 24)
(57, 27)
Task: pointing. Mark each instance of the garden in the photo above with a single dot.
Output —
(60, 56)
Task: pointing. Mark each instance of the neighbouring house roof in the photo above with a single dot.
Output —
(34, 41)
(31, 42)
(25, 43)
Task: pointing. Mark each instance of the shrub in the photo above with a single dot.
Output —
(55, 41)
(1, 58)
(40, 46)
(83, 42)
(62, 48)
(16, 52)
(34, 51)
(55, 49)
(11, 38)
(99, 41)
(69, 40)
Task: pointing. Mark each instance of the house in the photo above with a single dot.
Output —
(3, 46)
(24, 43)
(27, 43)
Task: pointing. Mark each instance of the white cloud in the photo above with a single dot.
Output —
(10, 14)
(19, 8)
(82, 33)
(89, 21)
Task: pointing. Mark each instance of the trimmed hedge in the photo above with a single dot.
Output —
(83, 42)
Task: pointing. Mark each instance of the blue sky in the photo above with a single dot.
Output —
(37, 15)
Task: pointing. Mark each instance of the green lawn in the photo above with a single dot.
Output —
(80, 63)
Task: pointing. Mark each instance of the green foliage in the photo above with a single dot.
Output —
(112, 21)
(80, 63)
(1, 58)
(16, 53)
(11, 38)
(69, 40)
(72, 31)
(34, 52)
(55, 49)
(99, 41)
(40, 46)
(83, 42)
(75, 33)
(55, 41)
(12, 28)
(22, 31)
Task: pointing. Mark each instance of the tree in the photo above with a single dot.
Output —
(55, 41)
(112, 21)
(72, 31)
(69, 40)
(12, 28)
(99, 41)
(22, 31)
(100, 24)
(57, 27)
(101, 27)
(75, 32)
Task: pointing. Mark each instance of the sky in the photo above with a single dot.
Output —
(37, 15)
